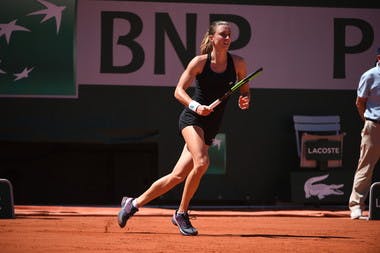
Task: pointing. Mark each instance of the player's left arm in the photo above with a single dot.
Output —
(241, 72)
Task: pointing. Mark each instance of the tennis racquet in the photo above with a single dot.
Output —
(235, 87)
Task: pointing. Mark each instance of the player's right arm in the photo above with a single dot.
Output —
(194, 68)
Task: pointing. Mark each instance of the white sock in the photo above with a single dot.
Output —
(134, 203)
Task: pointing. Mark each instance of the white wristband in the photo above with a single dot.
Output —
(194, 105)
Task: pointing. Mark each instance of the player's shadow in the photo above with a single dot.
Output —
(277, 236)
(254, 235)
(41, 217)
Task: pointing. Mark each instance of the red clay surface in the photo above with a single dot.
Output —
(95, 229)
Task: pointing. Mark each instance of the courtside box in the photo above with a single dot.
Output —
(374, 202)
(6, 200)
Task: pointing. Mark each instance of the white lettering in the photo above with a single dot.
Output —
(323, 150)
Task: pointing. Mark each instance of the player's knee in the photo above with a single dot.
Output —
(201, 164)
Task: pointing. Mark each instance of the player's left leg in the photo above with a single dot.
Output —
(194, 138)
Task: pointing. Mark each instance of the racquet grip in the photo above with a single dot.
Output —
(215, 103)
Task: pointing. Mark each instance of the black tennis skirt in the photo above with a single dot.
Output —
(210, 124)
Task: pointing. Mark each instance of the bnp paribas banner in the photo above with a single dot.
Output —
(37, 48)
(150, 43)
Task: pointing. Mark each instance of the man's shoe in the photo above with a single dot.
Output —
(356, 213)
(181, 220)
(126, 212)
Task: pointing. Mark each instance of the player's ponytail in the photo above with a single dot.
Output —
(206, 46)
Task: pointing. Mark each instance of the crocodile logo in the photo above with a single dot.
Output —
(321, 190)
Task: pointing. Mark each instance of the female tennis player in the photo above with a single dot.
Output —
(215, 70)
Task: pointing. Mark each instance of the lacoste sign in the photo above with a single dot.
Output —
(323, 149)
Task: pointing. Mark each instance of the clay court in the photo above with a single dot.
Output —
(94, 229)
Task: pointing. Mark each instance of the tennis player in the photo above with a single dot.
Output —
(215, 70)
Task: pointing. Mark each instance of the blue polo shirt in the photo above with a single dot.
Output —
(369, 87)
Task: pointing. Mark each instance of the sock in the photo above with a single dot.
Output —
(134, 203)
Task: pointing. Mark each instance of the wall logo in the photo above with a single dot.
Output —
(36, 48)
(321, 190)
(218, 155)
(51, 11)
(217, 142)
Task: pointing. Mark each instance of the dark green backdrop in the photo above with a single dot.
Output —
(260, 142)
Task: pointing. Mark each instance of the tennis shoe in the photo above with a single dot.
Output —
(123, 200)
(126, 212)
(182, 221)
(356, 213)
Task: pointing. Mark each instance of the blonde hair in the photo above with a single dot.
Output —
(206, 45)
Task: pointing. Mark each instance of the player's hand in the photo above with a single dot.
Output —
(204, 110)
(243, 102)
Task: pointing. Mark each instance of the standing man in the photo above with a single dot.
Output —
(368, 105)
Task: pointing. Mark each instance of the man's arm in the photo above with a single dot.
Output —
(361, 106)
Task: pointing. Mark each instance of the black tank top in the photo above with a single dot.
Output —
(211, 85)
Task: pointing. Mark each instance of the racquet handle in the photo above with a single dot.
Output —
(215, 103)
